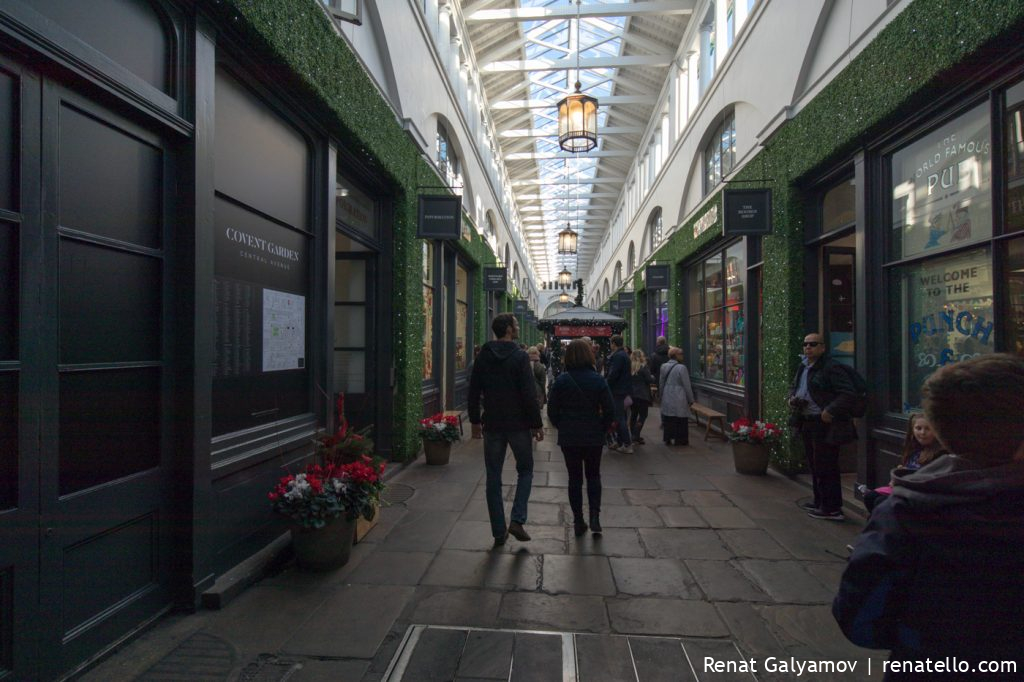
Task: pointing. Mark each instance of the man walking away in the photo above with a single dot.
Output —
(510, 414)
(936, 574)
(620, 381)
(821, 399)
(659, 357)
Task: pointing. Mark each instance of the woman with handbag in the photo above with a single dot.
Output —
(676, 398)
(580, 407)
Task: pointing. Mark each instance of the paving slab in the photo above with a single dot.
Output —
(392, 568)
(704, 654)
(612, 542)
(684, 543)
(457, 568)
(705, 498)
(543, 540)
(454, 606)
(682, 517)
(559, 612)
(654, 577)
(659, 660)
(436, 656)
(678, 617)
(537, 658)
(420, 531)
(753, 543)
(630, 517)
(683, 482)
(603, 658)
(442, 495)
(653, 498)
(312, 670)
(722, 581)
(787, 581)
(726, 517)
(748, 628)
(350, 622)
(577, 574)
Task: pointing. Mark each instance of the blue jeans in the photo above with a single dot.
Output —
(494, 460)
(622, 423)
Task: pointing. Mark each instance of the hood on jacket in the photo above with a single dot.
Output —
(501, 350)
(952, 480)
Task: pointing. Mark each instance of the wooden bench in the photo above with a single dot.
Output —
(711, 415)
(458, 415)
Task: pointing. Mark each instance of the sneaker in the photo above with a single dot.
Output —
(862, 489)
(595, 524)
(808, 506)
(614, 447)
(500, 540)
(626, 449)
(822, 514)
(849, 549)
(516, 530)
(640, 441)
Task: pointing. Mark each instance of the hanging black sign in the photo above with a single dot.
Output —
(519, 307)
(747, 212)
(614, 307)
(627, 300)
(657, 276)
(495, 279)
(440, 217)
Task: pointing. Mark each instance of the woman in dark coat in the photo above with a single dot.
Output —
(580, 407)
(641, 394)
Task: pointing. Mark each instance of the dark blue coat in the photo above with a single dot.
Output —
(938, 570)
(620, 379)
(580, 407)
(503, 382)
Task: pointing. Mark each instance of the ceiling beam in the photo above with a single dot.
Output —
(545, 103)
(553, 132)
(561, 12)
(523, 156)
(514, 65)
(609, 180)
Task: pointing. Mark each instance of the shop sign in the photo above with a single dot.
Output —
(657, 276)
(627, 300)
(439, 217)
(614, 307)
(942, 187)
(706, 221)
(495, 279)
(519, 307)
(746, 212)
(582, 330)
(355, 209)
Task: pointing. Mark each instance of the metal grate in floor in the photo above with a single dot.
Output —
(397, 493)
(200, 657)
(269, 668)
(436, 652)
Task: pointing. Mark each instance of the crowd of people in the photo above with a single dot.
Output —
(937, 571)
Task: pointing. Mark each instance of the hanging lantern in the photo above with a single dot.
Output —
(563, 297)
(577, 122)
(567, 241)
(564, 279)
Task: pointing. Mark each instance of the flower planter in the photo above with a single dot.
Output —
(750, 458)
(363, 526)
(323, 549)
(437, 451)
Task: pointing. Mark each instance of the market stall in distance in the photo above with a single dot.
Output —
(576, 322)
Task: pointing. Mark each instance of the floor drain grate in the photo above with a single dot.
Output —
(397, 493)
(269, 668)
(200, 657)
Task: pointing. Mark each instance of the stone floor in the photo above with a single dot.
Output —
(698, 566)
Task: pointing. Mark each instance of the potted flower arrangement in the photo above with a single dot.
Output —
(438, 433)
(323, 503)
(750, 444)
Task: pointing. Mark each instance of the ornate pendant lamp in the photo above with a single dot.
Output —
(567, 241)
(563, 297)
(564, 279)
(577, 113)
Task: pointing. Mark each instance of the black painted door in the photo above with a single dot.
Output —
(355, 352)
(92, 378)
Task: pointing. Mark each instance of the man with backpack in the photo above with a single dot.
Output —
(823, 402)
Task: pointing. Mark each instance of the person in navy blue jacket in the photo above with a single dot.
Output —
(620, 381)
(936, 576)
(580, 407)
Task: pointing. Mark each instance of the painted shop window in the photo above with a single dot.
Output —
(942, 308)
(461, 317)
(720, 154)
(942, 188)
(428, 310)
(1014, 118)
(717, 328)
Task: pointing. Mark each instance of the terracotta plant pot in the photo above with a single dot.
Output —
(437, 451)
(750, 458)
(323, 549)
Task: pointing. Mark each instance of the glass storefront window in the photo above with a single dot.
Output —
(461, 317)
(1013, 313)
(428, 311)
(837, 206)
(717, 329)
(354, 208)
(941, 188)
(943, 313)
(1015, 158)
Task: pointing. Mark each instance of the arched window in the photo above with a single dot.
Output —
(507, 259)
(631, 260)
(617, 278)
(720, 153)
(654, 230)
(515, 273)
(448, 161)
(489, 230)
(607, 290)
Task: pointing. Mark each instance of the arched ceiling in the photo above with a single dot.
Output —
(527, 53)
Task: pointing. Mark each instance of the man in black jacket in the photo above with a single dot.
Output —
(620, 381)
(821, 398)
(659, 357)
(936, 575)
(510, 414)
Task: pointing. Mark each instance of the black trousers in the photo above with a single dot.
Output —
(583, 461)
(823, 459)
(677, 429)
(637, 417)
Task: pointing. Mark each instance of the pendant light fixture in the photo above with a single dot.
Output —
(577, 113)
(564, 278)
(563, 297)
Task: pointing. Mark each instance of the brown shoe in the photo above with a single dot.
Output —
(515, 529)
